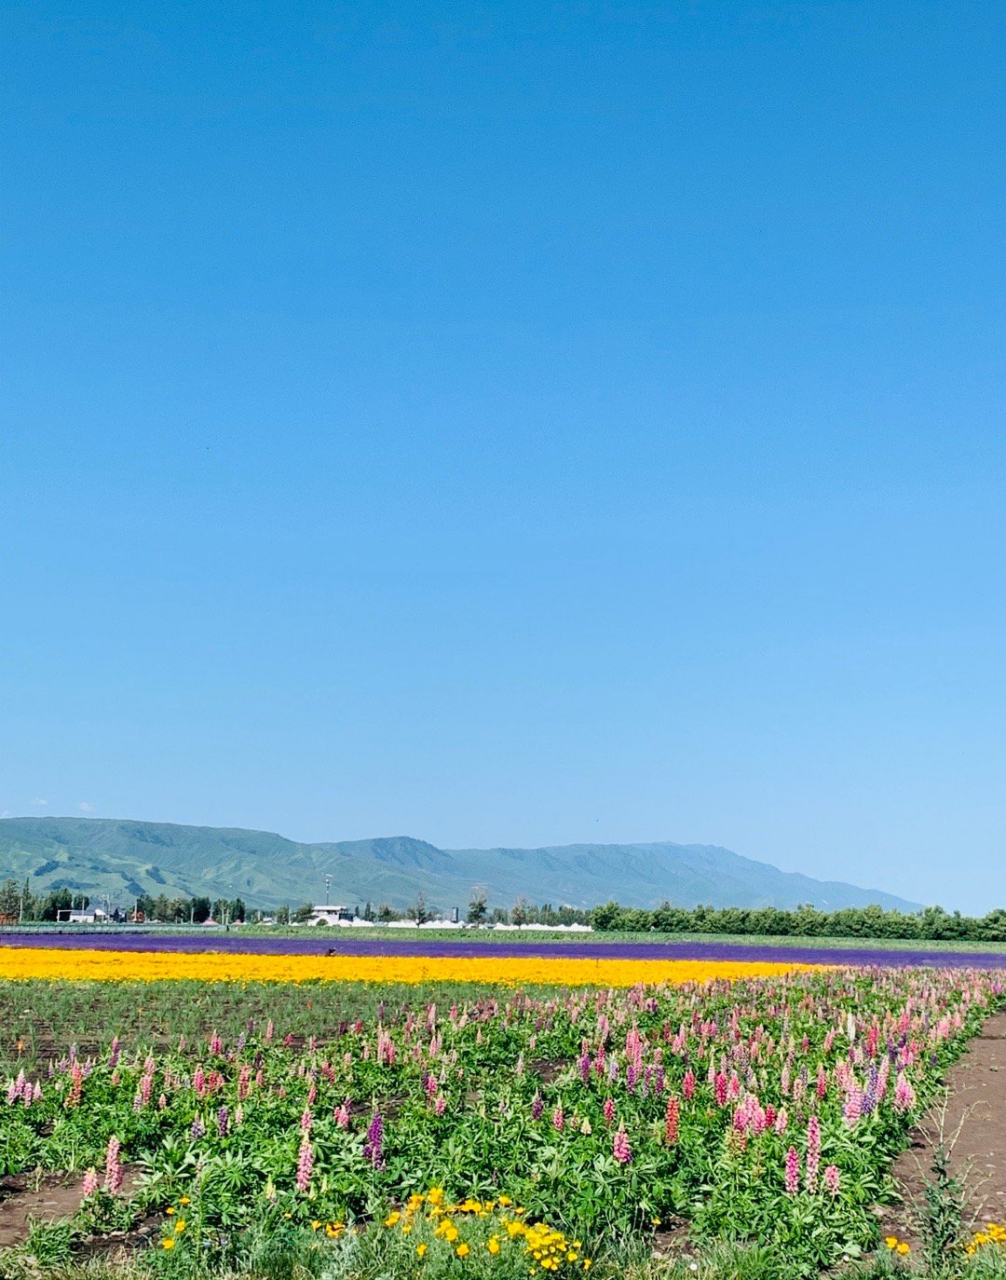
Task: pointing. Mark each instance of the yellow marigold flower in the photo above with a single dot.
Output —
(436, 1195)
(169, 1210)
(180, 1226)
(421, 1250)
(184, 1200)
(169, 1243)
(406, 1228)
(452, 1233)
(904, 1248)
(505, 1202)
(891, 1242)
(391, 1219)
(463, 1251)
(493, 1245)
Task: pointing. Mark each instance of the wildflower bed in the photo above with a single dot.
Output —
(536, 1125)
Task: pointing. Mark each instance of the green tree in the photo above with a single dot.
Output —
(478, 905)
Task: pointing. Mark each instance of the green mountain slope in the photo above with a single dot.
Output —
(100, 856)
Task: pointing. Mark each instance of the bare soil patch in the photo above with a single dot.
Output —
(974, 1122)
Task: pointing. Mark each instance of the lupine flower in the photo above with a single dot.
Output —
(558, 1119)
(832, 1179)
(373, 1148)
(537, 1106)
(223, 1122)
(114, 1173)
(792, 1172)
(813, 1152)
(198, 1129)
(620, 1146)
(89, 1186)
(609, 1110)
(305, 1166)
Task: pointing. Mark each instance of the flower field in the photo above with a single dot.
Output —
(497, 1120)
(239, 966)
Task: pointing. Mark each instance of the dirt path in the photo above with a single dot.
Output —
(976, 1113)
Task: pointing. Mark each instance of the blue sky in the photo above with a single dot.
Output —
(512, 424)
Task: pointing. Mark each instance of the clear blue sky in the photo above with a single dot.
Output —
(512, 423)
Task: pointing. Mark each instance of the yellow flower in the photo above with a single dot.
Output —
(436, 1195)
(169, 1211)
(391, 1219)
(463, 1251)
(315, 1224)
(180, 1226)
(169, 1243)
(334, 1229)
(421, 1250)
(494, 1245)
(184, 1200)
(904, 1248)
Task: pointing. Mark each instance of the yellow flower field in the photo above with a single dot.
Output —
(207, 966)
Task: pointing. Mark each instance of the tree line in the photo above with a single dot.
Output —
(932, 924)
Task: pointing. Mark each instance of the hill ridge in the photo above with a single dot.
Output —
(122, 857)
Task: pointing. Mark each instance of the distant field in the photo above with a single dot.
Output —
(430, 945)
(479, 937)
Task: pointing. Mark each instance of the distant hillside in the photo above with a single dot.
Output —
(101, 856)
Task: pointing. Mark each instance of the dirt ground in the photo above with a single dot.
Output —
(973, 1123)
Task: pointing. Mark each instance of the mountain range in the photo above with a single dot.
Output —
(122, 859)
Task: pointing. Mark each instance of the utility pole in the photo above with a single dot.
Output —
(328, 890)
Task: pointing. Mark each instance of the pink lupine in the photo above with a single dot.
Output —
(620, 1146)
(609, 1110)
(832, 1179)
(688, 1084)
(822, 1081)
(305, 1166)
(853, 1108)
(306, 1120)
(558, 1119)
(671, 1119)
(440, 1104)
(720, 1087)
(813, 1152)
(781, 1121)
(341, 1115)
(114, 1172)
(89, 1186)
(792, 1172)
(904, 1095)
(76, 1087)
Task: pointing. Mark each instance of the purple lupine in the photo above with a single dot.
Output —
(198, 1129)
(373, 1148)
(537, 1106)
(223, 1122)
